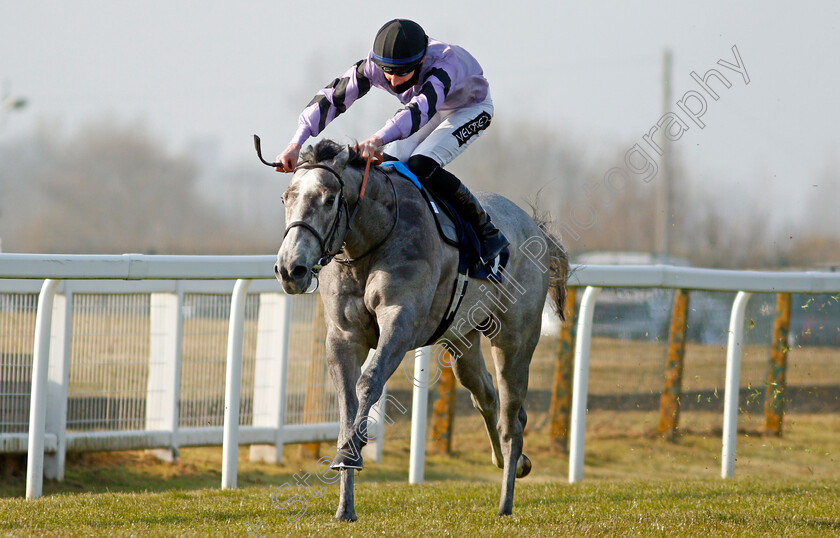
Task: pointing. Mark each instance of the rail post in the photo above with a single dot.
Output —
(419, 408)
(732, 386)
(443, 410)
(774, 396)
(233, 384)
(57, 380)
(561, 387)
(669, 402)
(580, 388)
(38, 405)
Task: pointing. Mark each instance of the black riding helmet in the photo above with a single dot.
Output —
(399, 46)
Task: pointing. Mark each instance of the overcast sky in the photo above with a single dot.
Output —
(216, 72)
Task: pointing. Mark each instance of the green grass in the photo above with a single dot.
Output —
(455, 508)
(634, 483)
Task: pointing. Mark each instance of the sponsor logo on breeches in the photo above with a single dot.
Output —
(472, 128)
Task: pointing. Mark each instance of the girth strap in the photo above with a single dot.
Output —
(459, 290)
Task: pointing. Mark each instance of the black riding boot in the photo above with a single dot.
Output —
(493, 241)
(444, 183)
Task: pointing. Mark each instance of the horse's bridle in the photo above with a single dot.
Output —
(326, 242)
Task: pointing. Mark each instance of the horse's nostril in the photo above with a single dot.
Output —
(281, 273)
(299, 271)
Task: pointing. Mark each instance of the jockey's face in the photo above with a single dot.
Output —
(396, 80)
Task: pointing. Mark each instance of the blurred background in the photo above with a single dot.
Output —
(127, 127)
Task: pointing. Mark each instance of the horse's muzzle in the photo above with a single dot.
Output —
(296, 279)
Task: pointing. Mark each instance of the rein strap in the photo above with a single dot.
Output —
(376, 159)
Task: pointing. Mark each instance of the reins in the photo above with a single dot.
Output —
(326, 242)
(348, 261)
(376, 159)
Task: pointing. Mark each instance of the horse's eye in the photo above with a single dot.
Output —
(330, 199)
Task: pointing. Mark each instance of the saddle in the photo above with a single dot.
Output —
(454, 230)
(457, 232)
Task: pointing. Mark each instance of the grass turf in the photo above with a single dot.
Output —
(784, 507)
(635, 483)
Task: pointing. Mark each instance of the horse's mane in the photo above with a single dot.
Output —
(327, 149)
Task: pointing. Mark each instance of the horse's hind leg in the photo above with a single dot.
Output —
(471, 372)
(512, 356)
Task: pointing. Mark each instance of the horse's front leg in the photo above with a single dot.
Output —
(344, 359)
(397, 334)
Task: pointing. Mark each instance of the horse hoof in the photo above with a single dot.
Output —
(523, 466)
(348, 457)
(346, 464)
(349, 518)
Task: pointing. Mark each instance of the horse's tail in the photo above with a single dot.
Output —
(558, 267)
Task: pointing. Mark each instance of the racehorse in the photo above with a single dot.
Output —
(389, 285)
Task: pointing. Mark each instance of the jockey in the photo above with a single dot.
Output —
(447, 106)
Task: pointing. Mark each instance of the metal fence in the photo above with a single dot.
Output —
(109, 360)
(17, 329)
(139, 361)
(142, 364)
(743, 283)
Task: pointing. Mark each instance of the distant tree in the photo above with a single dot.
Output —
(813, 250)
(815, 242)
(521, 159)
(821, 209)
(20, 162)
(111, 189)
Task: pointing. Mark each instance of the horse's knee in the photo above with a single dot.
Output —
(485, 391)
(514, 408)
(510, 436)
(369, 386)
(486, 406)
(511, 426)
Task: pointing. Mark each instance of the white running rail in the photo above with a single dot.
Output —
(664, 276)
(166, 279)
(255, 273)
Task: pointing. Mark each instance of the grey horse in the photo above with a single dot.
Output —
(390, 284)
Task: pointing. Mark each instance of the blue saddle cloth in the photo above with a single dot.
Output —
(466, 238)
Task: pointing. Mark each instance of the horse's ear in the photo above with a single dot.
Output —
(340, 161)
(307, 154)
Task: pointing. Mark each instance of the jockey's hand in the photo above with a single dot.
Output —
(368, 149)
(288, 158)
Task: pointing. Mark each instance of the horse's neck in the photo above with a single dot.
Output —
(375, 216)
